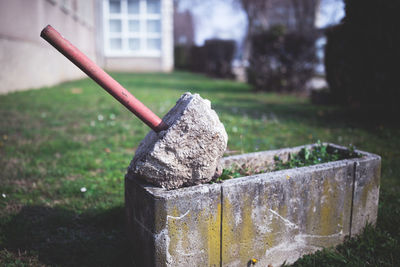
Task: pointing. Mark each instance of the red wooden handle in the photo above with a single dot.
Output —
(102, 78)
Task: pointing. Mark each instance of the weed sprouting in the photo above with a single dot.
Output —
(239, 171)
(314, 155)
(307, 156)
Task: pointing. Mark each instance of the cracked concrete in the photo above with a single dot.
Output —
(266, 216)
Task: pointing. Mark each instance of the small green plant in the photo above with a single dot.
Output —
(314, 155)
(306, 157)
(240, 171)
(229, 174)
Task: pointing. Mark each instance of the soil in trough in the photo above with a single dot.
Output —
(307, 156)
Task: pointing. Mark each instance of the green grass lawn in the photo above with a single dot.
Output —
(55, 142)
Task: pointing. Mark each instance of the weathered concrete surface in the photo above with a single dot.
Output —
(273, 217)
(280, 216)
(366, 192)
(173, 228)
(188, 152)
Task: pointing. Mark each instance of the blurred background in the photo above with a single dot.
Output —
(279, 73)
(222, 38)
(273, 45)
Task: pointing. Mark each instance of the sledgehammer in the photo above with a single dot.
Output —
(102, 78)
(186, 145)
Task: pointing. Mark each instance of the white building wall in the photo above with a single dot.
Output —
(27, 60)
(167, 50)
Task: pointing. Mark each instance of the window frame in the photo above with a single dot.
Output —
(125, 35)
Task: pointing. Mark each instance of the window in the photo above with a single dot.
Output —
(132, 27)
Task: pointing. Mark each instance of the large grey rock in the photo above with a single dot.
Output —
(188, 152)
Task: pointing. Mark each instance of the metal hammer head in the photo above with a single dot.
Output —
(188, 152)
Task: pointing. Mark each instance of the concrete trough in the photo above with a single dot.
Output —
(272, 217)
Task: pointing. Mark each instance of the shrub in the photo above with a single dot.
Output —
(181, 57)
(197, 57)
(191, 58)
(219, 56)
(214, 58)
(281, 61)
(362, 53)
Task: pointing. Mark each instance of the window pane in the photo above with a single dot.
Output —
(153, 26)
(115, 6)
(134, 44)
(133, 6)
(153, 7)
(134, 26)
(154, 44)
(115, 25)
(116, 43)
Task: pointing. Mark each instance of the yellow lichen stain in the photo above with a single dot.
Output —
(178, 231)
(270, 237)
(283, 210)
(277, 227)
(229, 245)
(210, 227)
(214, 238)
(173, 231)
(246, 232)
(237, 241)
(330, 217)
(185, 232)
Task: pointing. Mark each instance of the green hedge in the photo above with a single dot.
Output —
(213, 58)
(362, 55)
(281, 61)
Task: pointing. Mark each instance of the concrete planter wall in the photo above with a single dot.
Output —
(271, 217)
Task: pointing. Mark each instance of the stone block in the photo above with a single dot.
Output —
(277, 217)
(173, 228)
(273, 217)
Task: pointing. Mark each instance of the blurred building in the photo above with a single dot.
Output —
(120, 35)
(183, 28)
